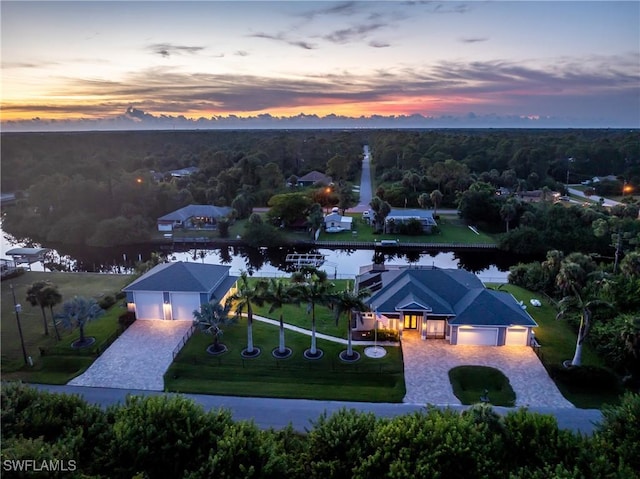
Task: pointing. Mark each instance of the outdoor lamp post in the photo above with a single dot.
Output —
(18, 308)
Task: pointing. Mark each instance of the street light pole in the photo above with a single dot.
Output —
(17, 307)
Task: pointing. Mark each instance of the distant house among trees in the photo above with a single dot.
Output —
(193, 217)
(182, 172)
(314, 178)
(334, 222)
(535, 196)
(399, 217)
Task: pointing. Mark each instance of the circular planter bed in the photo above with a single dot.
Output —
(344, 357)
(77, 344)
(217, 350)
(278, 355)
(247, 355)
(318, 354)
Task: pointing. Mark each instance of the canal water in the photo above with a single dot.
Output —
(489, 265)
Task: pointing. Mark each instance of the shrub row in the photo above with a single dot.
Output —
(171, 436)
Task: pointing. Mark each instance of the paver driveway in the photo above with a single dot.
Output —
(427, 365)
(138, 359)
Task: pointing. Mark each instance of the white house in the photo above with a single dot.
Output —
(335, 222)
(172, 291)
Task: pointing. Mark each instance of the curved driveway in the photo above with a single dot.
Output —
(427, 365)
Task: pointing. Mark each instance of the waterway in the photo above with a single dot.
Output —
(490, 266)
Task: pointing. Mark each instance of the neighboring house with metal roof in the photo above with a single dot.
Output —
(193, 217)
(335, 222)
(179, 173)
(28, 255)
(397, 217)
(451, 304)
(172, 291)
(314, 178)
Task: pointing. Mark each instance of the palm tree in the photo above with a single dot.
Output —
(278, 294)
(312, 286)
(210, 320)
(571, 281)
(50, 297)
(508, 212)
(245, 297)
(44, 294)
(436, 199)
(76, 313)
(346, 302)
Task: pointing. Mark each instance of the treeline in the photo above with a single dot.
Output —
(164, 436)
(408, 163)
(108, 188)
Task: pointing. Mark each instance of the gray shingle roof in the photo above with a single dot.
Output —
(187, 212)
(183, 277)
(448, 292)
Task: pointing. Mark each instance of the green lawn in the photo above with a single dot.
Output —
(371, 380)
(558, 341)
(469, 384)
(452, 230)
(69, 284)
(297, 314)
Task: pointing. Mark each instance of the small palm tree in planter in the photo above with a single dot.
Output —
(210, 320)
(76, 313)
(345, 303)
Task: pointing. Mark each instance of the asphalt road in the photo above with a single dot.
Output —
(607, 202)
(279, 413)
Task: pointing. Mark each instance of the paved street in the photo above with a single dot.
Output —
(279, 413)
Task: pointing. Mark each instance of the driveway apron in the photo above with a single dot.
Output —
(427, 365)
(138, 359)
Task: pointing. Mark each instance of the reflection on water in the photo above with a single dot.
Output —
(339, 263)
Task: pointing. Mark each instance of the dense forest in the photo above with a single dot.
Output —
(171, 436)
(107, 188)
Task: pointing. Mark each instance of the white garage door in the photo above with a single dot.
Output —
(478, 336)
(517, 337)
(183, 304)
(148, 305)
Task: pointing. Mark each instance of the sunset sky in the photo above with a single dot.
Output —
(85, 61)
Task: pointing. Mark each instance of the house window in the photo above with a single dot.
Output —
(411, 321)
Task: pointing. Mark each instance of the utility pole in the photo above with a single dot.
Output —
(18, 308)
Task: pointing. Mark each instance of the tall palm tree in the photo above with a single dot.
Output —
(313, 288)
(44, 294)
(345, 303)
(436, 199)
(210, 320)
(245, 297)
(278, 294)
(50, 297)
(76, 313)
(571, 281)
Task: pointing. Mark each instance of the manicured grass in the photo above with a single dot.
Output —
(452, 230)
(70, 362)
(371, 380)
(558, 341)
(297, 314)
(93, 285)
(470, 383)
